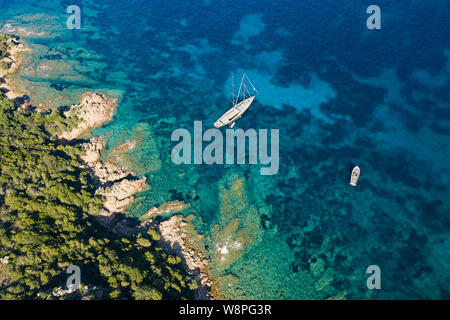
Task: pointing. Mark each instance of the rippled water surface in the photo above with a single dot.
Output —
(340, 94)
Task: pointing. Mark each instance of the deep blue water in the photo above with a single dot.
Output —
(341, 95)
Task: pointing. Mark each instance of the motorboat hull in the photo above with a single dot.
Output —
(355, 176)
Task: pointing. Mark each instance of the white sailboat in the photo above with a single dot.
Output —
(237, 110)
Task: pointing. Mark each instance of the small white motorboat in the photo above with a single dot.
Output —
(355, 176)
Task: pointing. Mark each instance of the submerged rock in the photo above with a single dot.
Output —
(165, 208)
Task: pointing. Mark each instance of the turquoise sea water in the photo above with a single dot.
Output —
(341, 95)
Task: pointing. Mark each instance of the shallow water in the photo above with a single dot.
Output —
(341, 95)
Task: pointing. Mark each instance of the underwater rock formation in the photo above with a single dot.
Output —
(239, 226)
(165, 208)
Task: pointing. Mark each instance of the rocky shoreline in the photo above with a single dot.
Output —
(13, 60)
(117, 184)
(175, 239)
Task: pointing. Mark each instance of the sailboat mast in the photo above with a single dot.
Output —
(243, 79)
(232, 88)
(239, 91)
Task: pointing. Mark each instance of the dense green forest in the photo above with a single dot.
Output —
(47, 222)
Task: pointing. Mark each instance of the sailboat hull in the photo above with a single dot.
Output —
(234, 113)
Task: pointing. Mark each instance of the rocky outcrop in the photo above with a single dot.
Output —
(120, 194)
(117, 184)
(86, 293)
(109, 171)
(92, 149)
(94, 110)
(175, 239)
